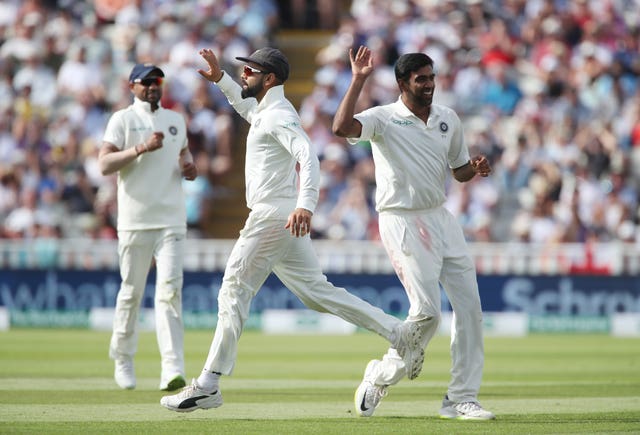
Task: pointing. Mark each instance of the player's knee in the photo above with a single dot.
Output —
(169, 291)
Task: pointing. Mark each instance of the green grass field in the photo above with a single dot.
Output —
(60, 381)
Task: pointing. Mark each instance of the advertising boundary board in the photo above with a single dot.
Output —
(579, 303)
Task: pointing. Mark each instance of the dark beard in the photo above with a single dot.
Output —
(418, 99)
(252, 91)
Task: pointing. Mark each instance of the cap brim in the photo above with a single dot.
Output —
(248, 59)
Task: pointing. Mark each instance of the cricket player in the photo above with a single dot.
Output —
(275, 237)
(146, 145)
(415, 144)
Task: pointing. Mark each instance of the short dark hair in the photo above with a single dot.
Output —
(410, 62)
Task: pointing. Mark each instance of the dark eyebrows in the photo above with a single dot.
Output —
(431, 76)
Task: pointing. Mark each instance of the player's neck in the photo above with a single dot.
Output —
(422, 111)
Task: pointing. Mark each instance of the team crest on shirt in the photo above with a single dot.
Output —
(173, 130)
(444, 127)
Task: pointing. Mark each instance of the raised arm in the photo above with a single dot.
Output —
(214, 73)
(230, 89)
(344, 124)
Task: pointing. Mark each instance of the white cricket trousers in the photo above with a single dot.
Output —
(264, 246)
(136, 250)
(426, 248)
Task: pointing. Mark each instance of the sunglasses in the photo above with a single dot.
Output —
(248, 71)
(149, 81)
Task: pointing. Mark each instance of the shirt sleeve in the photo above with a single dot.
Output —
(232, 90)
(185, 141)
(368, 121)
(458, 152)
(114, 133)
(290, 134)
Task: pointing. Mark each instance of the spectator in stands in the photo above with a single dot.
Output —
(554, 43)
(20, 222)
(8, 141)
(198, 196)
(78, 193)
(350, 216)
(37, 40)
(303, 14)
(78, 76)
(577, 63)
(500, 91)
(39, 78)
(333, 166)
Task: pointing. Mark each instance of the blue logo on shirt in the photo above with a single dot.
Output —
(173, 130)
(444, 127)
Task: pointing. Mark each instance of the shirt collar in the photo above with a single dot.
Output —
(404, 111)
(273, 95)
(143, 105)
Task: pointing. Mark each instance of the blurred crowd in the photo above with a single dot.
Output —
(64, 68)
(548, 90)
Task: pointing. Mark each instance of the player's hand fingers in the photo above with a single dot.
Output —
(291, 225)
(299, 222)
(189, 171)
(300, 228)
(305, 226)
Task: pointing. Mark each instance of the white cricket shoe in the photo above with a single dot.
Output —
(408, 343)
(464, 411)
(124, 373)
(191, 398)
(368, 395)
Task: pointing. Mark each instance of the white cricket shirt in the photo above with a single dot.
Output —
(412, 159)
(276, 142)
(150, 187)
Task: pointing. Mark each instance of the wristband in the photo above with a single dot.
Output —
(136, 149)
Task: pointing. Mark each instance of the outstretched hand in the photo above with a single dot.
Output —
(214, 73)
(361, 62)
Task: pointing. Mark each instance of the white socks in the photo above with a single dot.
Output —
(208, 381)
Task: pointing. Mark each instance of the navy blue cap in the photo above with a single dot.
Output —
(271, 59)
(142, 70)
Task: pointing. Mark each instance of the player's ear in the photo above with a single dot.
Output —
(272, 80)
(402, 85)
